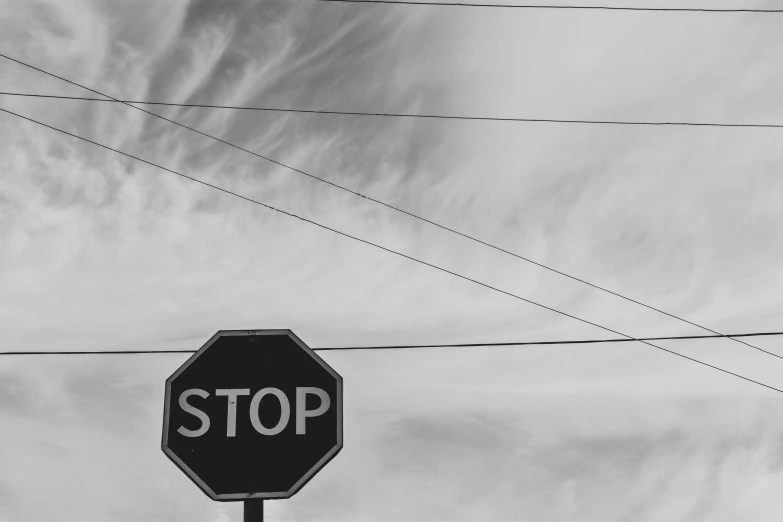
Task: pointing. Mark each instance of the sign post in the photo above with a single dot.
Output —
(253, 511)
(253, 415)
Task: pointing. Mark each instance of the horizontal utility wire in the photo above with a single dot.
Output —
(389, 250)
(397, 209)
(405, 212)
(418, 346)
(540, 6)
(394, 114)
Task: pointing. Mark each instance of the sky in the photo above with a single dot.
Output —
(101, 252)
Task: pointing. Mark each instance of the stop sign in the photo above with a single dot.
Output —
(253, 414)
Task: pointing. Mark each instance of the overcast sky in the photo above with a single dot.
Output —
(98, 252)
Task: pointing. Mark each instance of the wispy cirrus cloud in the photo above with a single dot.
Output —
(100, 252)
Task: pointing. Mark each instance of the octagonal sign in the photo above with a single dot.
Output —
(253, 414)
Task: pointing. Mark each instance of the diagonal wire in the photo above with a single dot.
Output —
(397, 209)
(542, 6)
(413, 346)
(391, 114)
(389, 250)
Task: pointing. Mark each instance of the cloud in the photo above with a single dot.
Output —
(100, 252)
(615, 459)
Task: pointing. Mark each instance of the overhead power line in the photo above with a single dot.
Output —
(561, 7)
(396, 114)
(385, 249)
(396, 209)
(416, 346)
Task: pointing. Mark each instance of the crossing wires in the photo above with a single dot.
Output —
(397, 209)
(385, 249)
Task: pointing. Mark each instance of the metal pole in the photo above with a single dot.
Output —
(254, 510)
